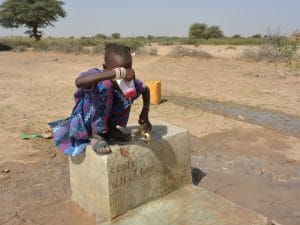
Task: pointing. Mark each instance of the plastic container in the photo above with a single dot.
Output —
(155, 91)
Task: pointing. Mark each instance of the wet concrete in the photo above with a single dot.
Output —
(274, 120)
(250, 168)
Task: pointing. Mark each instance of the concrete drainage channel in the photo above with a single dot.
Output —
(276, 121)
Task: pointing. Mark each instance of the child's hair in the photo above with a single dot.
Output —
(116, 49)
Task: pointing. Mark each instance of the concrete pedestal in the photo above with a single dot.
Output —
(135, 173)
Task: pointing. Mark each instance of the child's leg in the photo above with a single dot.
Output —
(103, 104)
(119, 119)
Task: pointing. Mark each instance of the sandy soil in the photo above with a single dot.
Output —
(248, 164)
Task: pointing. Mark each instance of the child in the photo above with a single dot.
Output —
(102, 101)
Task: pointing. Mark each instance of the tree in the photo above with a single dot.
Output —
(258, 36)
(33, 14)
(150, 37)
(201, 30)
(197, 30)
(100, 36)
(236, 36)
(115, 35)
(213, 32)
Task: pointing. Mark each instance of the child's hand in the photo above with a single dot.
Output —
(130, 74)
(122, 73)
(144, 121)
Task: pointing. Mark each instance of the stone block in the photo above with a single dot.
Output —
(133, 174)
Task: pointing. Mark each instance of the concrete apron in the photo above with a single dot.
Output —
(190, 205)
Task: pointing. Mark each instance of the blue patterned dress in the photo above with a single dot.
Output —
(93, 109)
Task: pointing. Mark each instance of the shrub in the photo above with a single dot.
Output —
(265, 52)
(41, 45)
(193, 41)
(134, 44)
(256, 36)
(101, 36)
(180, 51)
(115, 35)
(4, 47)
(277, 48)
(150, 37)
(153, 51)
(98, 49)
(236, 36)
(20, 49)
(60, 45)
(270, 53)
(16, 42)
(147, 51)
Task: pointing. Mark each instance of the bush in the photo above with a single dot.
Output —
(150, 37)
(134, 44)
(61, 45)
(236, 36)
(153, 51)
(20, 49)
(266, 52)
(99, 49)
(270, 53)
(180, 51)
(193, 41)
(4, 47)
(277, 48)
(147, 51)
(256, 36)
(101, 36)
(16, 42)
(116, 35)
(296, 56)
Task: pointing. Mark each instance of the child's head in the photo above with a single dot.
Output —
(117, 56)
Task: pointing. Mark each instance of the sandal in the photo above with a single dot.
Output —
(100, 146)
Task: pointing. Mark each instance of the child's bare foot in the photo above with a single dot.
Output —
(99, 145)
(119, 135)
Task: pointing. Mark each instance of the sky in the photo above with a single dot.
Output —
(172, 17)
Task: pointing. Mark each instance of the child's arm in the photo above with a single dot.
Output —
(91, 79)
(144, 115)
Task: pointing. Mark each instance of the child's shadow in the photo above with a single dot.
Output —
(159, 146)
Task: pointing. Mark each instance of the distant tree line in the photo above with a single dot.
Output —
(38, 14)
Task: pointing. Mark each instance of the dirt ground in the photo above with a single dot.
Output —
(251, 165)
